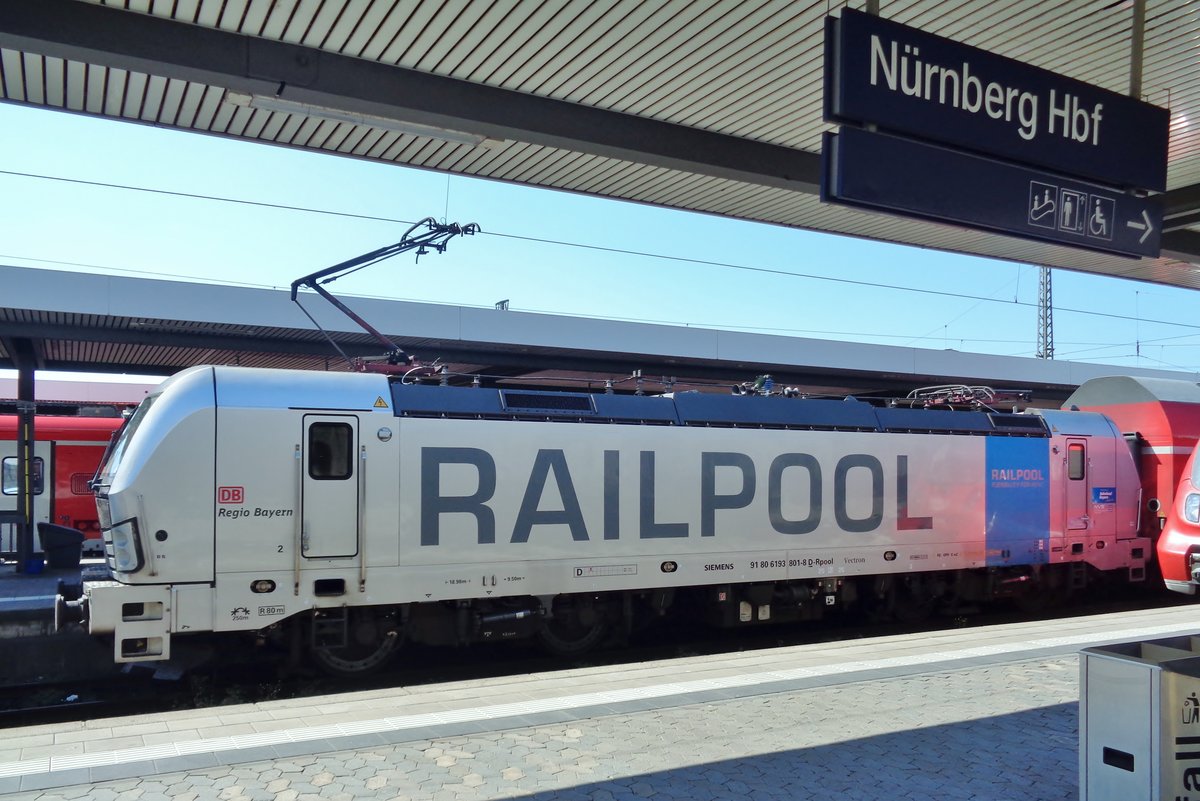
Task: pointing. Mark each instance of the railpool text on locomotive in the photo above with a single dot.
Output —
(550, 464)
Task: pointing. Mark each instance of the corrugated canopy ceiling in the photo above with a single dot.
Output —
(710, 105)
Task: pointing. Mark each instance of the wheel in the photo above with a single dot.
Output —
(372, 639)
(573, 631)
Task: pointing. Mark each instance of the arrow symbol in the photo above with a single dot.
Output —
(1146, 228)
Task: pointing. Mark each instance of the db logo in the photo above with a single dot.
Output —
(231, 494)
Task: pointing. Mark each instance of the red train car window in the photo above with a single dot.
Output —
(10, 480)
(80, 484)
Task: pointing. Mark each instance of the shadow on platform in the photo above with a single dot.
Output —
(1029, 755)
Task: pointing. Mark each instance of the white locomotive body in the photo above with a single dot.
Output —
(361, 511)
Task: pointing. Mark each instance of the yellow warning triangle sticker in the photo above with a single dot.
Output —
(380, 403)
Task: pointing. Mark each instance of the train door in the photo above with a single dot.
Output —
(330, 492)
(1077, 497)
(43, 488)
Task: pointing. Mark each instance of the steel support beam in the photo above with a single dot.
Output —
(150, 337)
(1182, 245)
(1181, 211)
(22, 348)
(26, 359)
(1181, 208)
(97, 34)
(1137, 45)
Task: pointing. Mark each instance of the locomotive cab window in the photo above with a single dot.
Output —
(1075, 461)
(10, 480)
(330, 451)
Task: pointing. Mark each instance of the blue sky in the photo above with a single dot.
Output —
(797, 282)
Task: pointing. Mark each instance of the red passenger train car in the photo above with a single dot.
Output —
(1179, 544)
(1161, 419)
(67, 451)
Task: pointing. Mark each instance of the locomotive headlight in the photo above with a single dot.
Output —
(126, 548)
(1191, 508)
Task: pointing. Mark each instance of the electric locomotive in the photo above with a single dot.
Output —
(348, 513)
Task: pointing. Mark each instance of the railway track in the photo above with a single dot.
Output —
(257, 678)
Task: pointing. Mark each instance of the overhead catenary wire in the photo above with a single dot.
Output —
(614, 318)
(563, 243)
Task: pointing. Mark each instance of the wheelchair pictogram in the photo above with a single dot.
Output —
(1102, 210)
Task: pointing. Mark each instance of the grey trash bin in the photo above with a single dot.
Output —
(1139, 721)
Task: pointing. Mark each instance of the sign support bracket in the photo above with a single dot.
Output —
(1137, 42)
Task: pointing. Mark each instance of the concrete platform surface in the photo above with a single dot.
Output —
(983, 713)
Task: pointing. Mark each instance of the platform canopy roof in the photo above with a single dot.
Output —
(99, 323)
(707, 105)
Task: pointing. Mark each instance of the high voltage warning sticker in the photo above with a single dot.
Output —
(380, 403)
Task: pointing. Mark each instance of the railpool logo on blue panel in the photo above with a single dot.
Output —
(1018, 500)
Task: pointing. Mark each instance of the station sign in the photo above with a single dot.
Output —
(904, 80)
(892, 174)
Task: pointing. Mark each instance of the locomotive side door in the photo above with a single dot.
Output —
(329, 486)
(1077, 492)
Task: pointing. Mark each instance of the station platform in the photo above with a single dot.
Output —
(973, 713)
